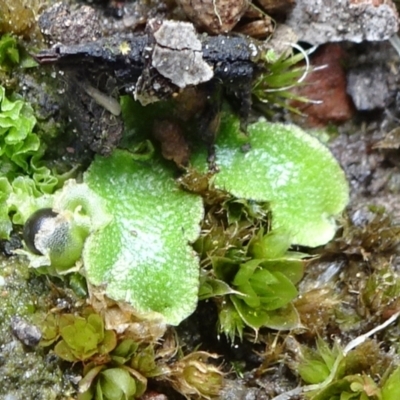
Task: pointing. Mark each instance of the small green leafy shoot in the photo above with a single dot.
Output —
(79, 338)
(250, 275)
(353, 376)
(114, 377)
(109, 362)
(316, 366)
(9, 54)
(13, 56)
(355, 387)
(113, 383)
(345, 373)
(274, 86)
(258, 292)
(117, 367)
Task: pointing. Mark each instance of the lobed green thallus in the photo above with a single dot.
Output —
(136, 225)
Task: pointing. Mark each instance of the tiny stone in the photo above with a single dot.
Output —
(177, 54)
(61, 23)
(368, 88)
(177, 35)
(182, 67)
(27, 333)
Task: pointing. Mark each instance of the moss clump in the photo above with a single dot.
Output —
(19, 17)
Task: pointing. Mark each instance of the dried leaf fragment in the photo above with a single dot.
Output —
(391, 140)
(173, 144)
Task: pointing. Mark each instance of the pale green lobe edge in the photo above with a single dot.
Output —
(143, 256)
(293, 171)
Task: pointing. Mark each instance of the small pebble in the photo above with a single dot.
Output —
(27, 333)
(368, 88)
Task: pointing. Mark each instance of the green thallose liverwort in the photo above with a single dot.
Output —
(144, 253)
(24, 180)
(138, 225)
(286, 167)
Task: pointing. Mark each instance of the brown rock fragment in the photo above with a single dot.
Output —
(276, 6)
(258, 29)
(214, 16)
(327, 86)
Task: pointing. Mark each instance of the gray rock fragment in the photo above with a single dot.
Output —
(176, 35)
(27, 333)
(368, 87)
(183, 67)
(177, 54)
(237, 390)
(321, 21)
(61, 23)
